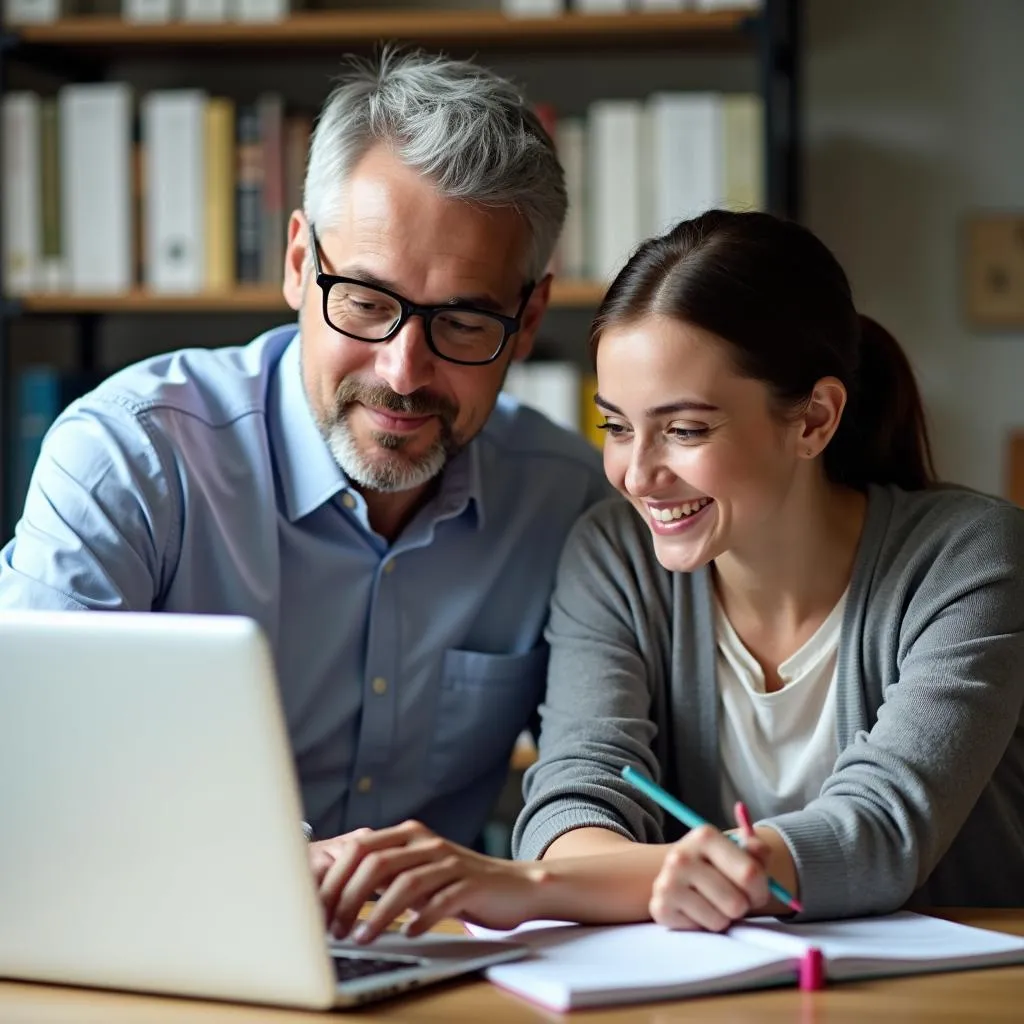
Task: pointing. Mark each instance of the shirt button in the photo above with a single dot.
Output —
(365, 784)
(348, 501)
(380, 686)
(389, 565)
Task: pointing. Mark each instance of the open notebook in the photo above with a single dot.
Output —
(576, 966)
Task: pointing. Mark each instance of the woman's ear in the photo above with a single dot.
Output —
(821, 416)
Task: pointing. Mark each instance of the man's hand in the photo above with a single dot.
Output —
(324, 852)
(412, 869)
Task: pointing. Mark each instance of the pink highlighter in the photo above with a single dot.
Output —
(811, 973)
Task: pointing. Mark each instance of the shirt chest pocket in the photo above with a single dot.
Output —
(485, 701)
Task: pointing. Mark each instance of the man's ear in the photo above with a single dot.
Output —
(296, 254)
(529, 325)
(821, 416)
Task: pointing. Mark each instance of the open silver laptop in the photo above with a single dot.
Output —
(150, 832)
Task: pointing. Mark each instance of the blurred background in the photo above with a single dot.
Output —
(152, 150)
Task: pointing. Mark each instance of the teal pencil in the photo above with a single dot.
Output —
(691, 819)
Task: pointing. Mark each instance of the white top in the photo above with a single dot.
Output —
(776, 749)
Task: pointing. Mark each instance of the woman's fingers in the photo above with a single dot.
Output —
(349, 851)
(412, 888)
(707, 881)
(446, 902)
(377, 871)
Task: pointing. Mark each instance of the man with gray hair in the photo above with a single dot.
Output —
(355, 484)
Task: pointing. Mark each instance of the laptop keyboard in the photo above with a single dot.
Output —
(347, 968)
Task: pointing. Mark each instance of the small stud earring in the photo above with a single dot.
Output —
(809, 452)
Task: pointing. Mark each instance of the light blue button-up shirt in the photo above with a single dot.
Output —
(199, 482)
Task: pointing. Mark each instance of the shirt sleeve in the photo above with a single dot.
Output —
(596, 712)
(900, 792)
(97, 519)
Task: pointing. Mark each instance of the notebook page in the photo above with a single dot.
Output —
(576, 966)
(902, 943)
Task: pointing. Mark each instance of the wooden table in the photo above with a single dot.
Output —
(994, 994)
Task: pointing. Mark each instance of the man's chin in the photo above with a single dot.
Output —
(387, 470)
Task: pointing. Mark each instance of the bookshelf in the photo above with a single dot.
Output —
(242, 299)
(84, 47)
(491, 29)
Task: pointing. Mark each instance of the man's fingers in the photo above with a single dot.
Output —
(320, 862)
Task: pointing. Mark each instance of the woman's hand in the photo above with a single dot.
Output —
(708, 881)
(413, 869)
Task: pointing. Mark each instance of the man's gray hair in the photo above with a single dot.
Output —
(471, 132)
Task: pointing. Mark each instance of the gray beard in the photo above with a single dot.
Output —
(386, 473)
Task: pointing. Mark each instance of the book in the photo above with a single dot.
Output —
(615, 194)
(576, 966)
(552, 387)
(22, 217)
(219, 163)
(32, 12)
(571, 143)
(248, 195)
(532, 8)
(51, 256)
(95, 142)
(148, 12)
(173, 132)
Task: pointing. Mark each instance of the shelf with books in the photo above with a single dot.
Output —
(131, 78)
(565, 294)
(482, 28)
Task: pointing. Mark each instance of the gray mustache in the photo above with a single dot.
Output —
(382, 397)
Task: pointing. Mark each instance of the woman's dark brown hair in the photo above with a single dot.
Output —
(776, 294)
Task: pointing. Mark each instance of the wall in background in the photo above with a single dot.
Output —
(913, 119)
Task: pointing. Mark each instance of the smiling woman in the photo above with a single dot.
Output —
(787, 612)
(771, 622)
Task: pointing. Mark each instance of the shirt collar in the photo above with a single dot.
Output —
(309, 475)
(462, 486)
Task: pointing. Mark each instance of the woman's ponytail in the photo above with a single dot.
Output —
(882, 437)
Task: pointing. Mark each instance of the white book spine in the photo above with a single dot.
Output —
(727, 5)
(204, 10)
(517, 382)
(31, 12)
(96, 195)
(173, 133)
(22, 240)
(663, 5)
(260, 10)
(600, 6)
(615, 188)
(532, 8)
(555, 391)
(148, 12)
(685, 159)
(571, 142)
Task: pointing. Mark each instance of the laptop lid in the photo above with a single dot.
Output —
(150, 813)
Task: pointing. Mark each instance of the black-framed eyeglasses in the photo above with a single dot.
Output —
(455, 332)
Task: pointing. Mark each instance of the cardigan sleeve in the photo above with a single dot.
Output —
(596, 715)
(951, 708)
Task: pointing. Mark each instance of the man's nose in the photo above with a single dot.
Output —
(405, 363)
